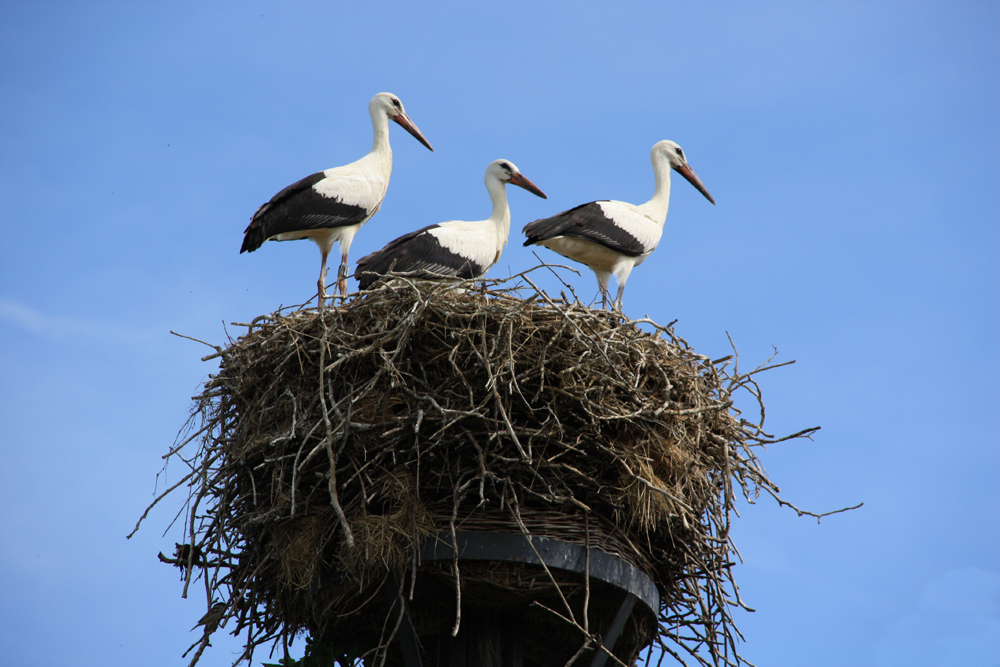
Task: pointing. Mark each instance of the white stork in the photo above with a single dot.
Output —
(613, 237)
(456, 248)
(330, 206)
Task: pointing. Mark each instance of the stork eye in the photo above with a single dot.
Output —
(680, 153)
(395, 102)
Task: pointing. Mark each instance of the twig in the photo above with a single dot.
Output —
(332, 478)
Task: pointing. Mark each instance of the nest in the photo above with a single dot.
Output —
(332, 444)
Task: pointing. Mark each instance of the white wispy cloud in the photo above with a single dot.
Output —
(60, 328)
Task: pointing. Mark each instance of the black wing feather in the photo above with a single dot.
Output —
(298, 208)
(586, 221)
(417, 252)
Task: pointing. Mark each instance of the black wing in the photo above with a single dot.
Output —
(417, 252)
(298, 208)
(587, 221)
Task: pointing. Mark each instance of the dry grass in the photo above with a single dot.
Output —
(330, 445)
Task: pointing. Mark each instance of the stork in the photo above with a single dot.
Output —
(457, 248)
(613, 237)
(330, 206)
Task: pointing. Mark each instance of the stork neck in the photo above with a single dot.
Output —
(656, 208)
(380, 128)
(500, 217)
(380, 157)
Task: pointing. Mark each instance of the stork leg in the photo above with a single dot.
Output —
(603, 278)
(321, 283)
(342, 275)
(621, 272)
(618, 299)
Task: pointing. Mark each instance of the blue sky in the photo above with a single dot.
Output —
(853, 152)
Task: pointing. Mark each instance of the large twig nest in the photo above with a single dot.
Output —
(330, 445)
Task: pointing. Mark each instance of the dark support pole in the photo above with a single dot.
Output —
(405, 634)
(615, 631)
(485, 639)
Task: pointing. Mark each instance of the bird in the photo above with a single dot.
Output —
(613, 237)
(453, 249)
(213, 617)
(211, 622)
(332, 205)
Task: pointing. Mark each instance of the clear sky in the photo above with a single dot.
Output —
(852, 148)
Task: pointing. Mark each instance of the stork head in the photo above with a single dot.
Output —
(391, 107)
(505, 171)
(674, 156)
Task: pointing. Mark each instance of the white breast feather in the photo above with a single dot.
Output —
(594, 255)
(474, 241)
(354, 184)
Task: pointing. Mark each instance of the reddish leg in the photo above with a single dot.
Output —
(342, 275)
(321, 283)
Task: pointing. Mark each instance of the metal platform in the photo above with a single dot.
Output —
(506, 634)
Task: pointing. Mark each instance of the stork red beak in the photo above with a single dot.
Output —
(519, 179)
(692, 178)
(407, 124)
